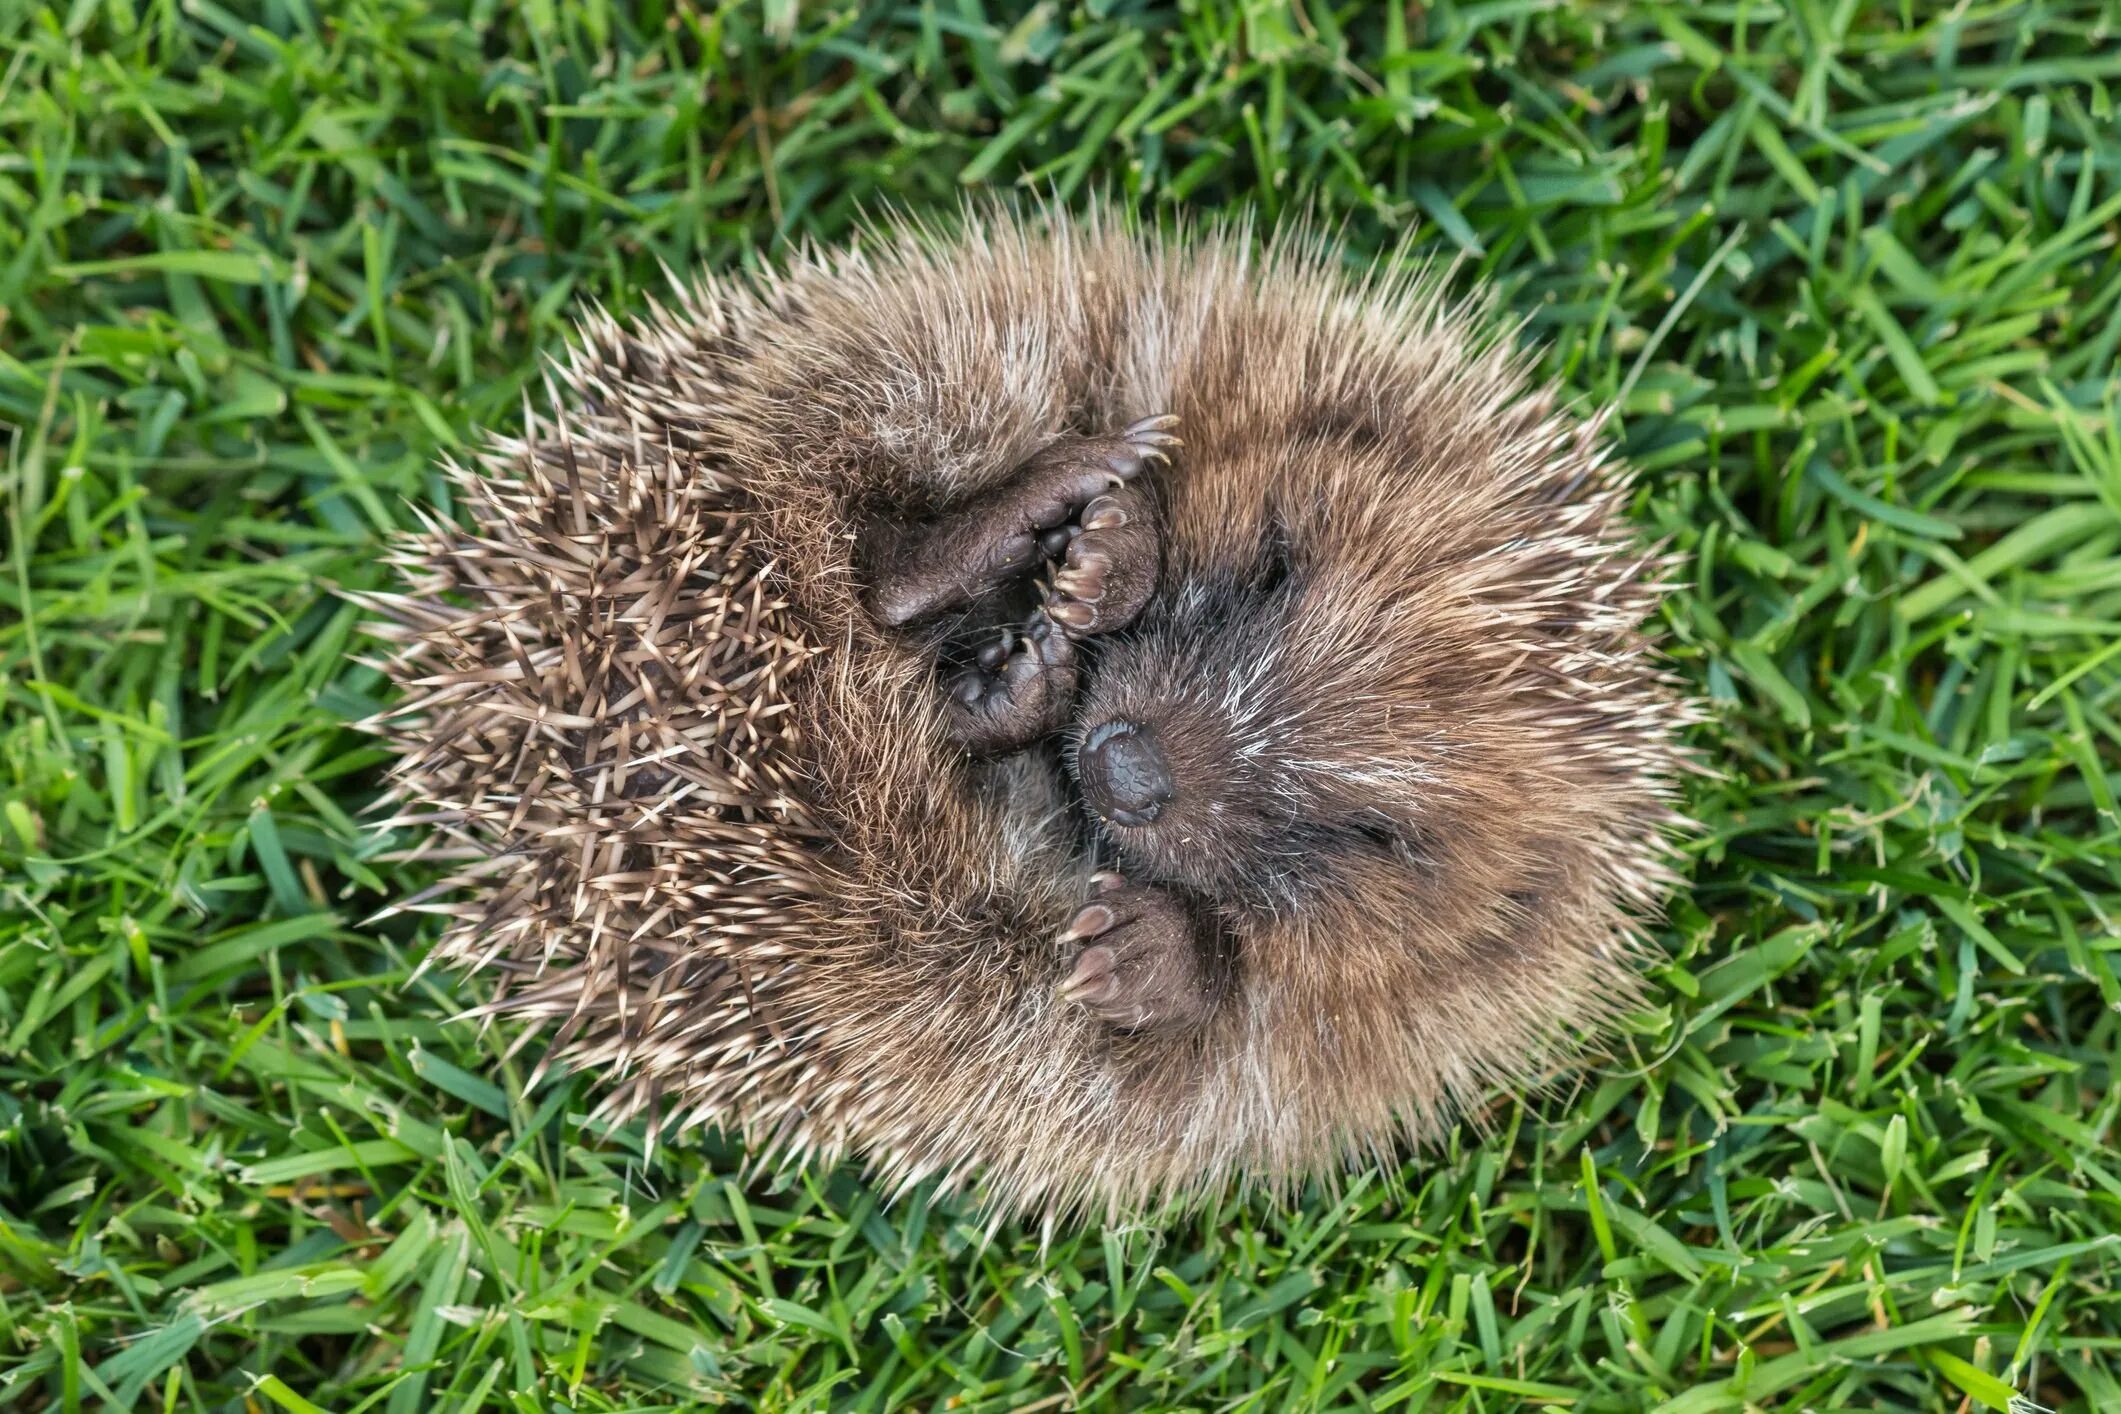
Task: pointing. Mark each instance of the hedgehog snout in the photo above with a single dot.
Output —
(1124, 774)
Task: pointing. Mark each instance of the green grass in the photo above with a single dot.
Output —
(1850, 271)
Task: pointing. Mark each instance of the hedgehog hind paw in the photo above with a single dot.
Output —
(1038, 516)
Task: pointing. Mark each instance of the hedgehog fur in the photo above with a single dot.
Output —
(717, 828)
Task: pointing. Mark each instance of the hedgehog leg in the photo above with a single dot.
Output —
(1109, 564)
(1019, 687)
(1008, 533)
(1141, 968)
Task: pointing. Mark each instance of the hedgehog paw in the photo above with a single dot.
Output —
(1034, 517)
(1140, 966)
(1018, 688)
(1108, 565)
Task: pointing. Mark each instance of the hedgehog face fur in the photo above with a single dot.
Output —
(1048, 710)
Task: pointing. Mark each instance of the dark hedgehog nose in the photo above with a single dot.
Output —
(1124, 775)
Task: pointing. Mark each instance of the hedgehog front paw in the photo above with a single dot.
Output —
(1018, 688)
(1034, 517)
(1140, 968)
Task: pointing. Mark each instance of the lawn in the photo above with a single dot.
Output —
(1849, 271)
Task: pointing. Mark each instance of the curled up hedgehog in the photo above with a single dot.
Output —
(1071, 714)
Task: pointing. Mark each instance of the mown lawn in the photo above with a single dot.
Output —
(1850, 271)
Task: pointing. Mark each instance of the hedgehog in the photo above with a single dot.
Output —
(1073, 715)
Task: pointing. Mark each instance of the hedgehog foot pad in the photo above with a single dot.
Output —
(1036, 516)
(1140, 968)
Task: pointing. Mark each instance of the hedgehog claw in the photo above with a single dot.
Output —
(1094, 978)
(1088, 923)
(1152, 439)
(1141, 970)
